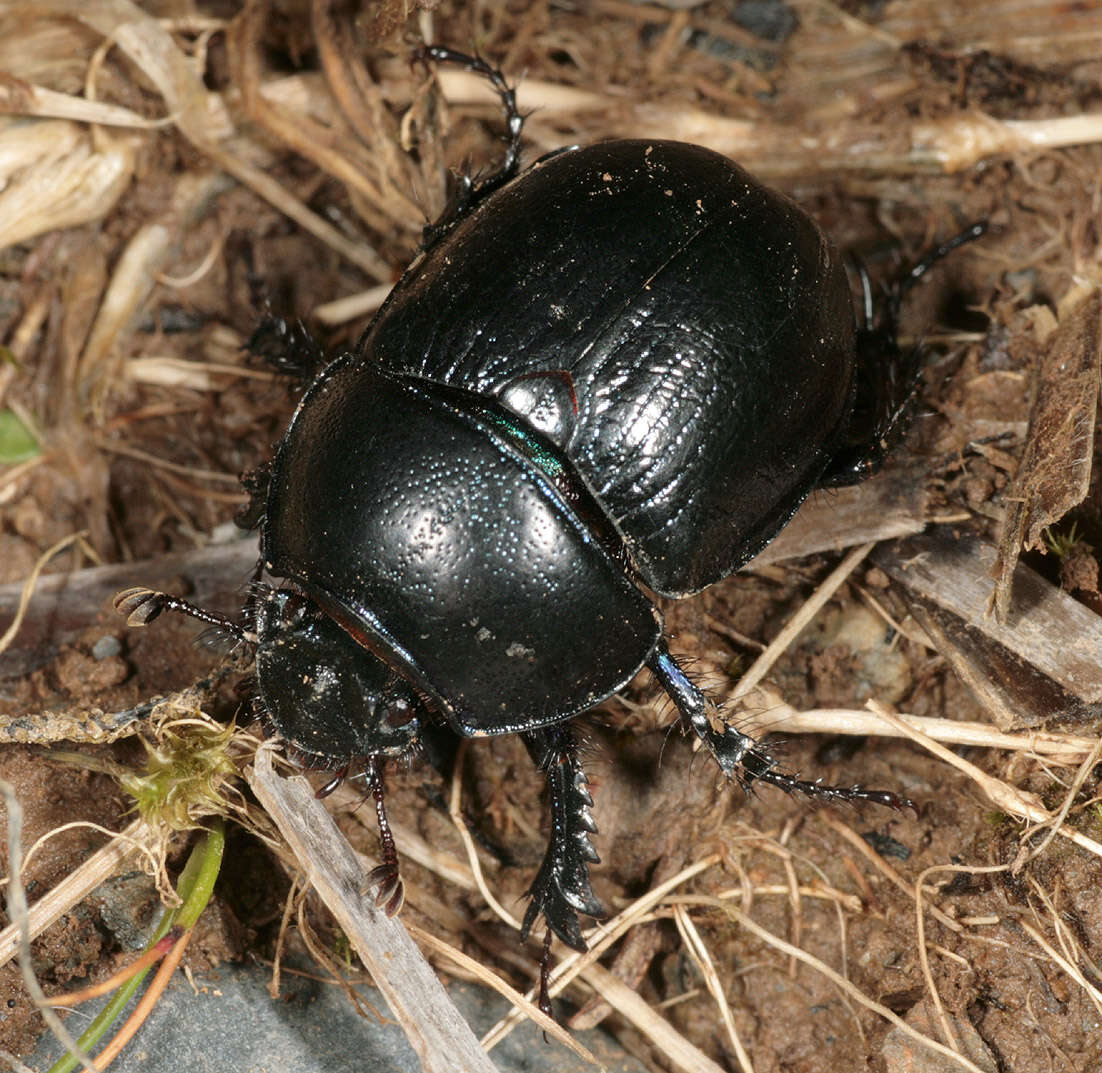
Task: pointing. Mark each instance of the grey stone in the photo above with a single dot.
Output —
(233, 1026)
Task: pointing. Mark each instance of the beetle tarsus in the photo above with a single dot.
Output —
(385, 877)
(467, 193)
(815, 789)
(740, 756)
(561, 888)
(545, 979)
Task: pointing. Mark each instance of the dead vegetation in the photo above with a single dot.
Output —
(155, 159)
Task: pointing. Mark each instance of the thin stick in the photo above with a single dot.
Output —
(491, 979)
(1065, 962)
(811, 607)
(599, 939)
(675, 1048)
(85, 825)
(17, 907)
(75, 887)
(456, 814)
(1067, 966)
(163, 463)
(920, 939)
(28, 586)
(439, 1036)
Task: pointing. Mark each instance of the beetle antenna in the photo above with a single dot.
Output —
(898, 289)
(887, 378)
(141, 606)
(931, 257)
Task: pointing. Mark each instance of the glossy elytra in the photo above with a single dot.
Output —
(614, 374)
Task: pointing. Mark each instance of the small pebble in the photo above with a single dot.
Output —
(106, 647)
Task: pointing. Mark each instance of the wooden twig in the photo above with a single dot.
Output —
(1047, 628)
(441, 1038)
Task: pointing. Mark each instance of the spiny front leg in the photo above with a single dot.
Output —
(561, 888)
(740, 756)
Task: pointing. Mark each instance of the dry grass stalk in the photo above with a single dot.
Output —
(600, 939)
(17, 908)
(38, 101)
(53, 178)
(698, 951)
(1072, 970)
(1055, 824)
(920, 940)
(1009, 799)
(768, 712)
(351, 307)
(881, 865)
(679, 1050)
(775, 150)
(1069, 945)
(791, 630)
(455, 811)
(483, 975)
(100, 363)
(193, 375)
(28, 586)
(76, 886)
(846, 987)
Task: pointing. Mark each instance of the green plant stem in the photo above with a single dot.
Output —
(195, 887)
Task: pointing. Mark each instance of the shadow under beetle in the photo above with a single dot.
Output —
(617, 373)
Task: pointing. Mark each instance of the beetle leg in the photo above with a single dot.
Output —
(561, 888)
(468, 193)
(287, 347)
(887, 377)
(334, 784)
(740, 756)
(391, 893)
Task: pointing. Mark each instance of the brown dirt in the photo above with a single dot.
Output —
(658, 807)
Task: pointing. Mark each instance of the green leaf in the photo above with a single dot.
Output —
(17, 444)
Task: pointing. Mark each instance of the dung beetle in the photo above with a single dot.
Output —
(613, 375)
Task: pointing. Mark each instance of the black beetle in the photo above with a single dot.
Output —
(616, 374)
